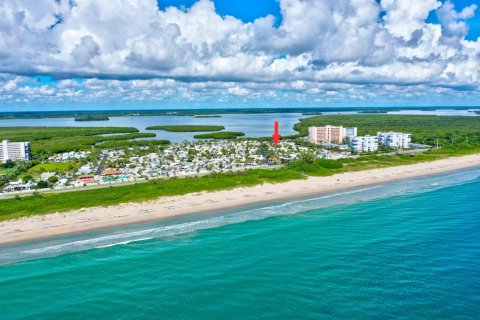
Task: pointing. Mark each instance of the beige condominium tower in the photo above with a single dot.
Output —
(326, 134)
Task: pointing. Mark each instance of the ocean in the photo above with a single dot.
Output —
(404, 250)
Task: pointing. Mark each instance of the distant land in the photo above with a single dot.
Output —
(203, 112)
(373, 111)
(92, 117)
(314, 113)
(220, 135)
(187, 128)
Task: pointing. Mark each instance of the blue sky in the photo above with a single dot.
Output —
(246, 10)
(249, 10)
(124, 54)
(474, 23)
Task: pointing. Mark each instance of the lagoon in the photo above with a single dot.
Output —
(252, 124)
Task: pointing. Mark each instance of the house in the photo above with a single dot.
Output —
(77, 184)
(18, 186)
(87, 178)
(111, 172)
(85, 169)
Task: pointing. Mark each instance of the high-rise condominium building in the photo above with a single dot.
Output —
(364, 144)
(14, 151)
(350, 132)
(396, 140)
(326, 134)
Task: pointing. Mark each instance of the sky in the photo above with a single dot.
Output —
(145, 54)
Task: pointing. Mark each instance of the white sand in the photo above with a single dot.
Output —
(36, 227)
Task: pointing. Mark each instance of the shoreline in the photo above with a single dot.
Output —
(90, 219)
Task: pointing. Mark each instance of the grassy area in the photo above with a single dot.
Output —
(6, 171)
(49, 140)
(220, 135)
(59, 167)
(187, 128)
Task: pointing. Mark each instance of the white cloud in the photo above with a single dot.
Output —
(85, 51)
(404, 17)
(454, 23)
(238, 91)
(331, 31)
(351, 42)
(10, 85)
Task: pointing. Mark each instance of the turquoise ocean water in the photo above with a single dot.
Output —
(407, 250)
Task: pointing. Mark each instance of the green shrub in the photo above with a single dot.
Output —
(42, 185)
(53, 179)
(329, 164)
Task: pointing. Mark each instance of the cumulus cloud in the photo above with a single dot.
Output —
(168, 93)
(454, 23)
(405, 17)
(85, 51)
(352, 42)
(330, 31)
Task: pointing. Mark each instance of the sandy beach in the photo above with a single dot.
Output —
(55, 224)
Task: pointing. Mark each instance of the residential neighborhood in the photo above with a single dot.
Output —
(87, 168)
(77, 169)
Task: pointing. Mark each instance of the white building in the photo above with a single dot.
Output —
(350, 132)
(394, 140)
(44, 176)
(14, 151)
(85, 169)
(364, 144)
